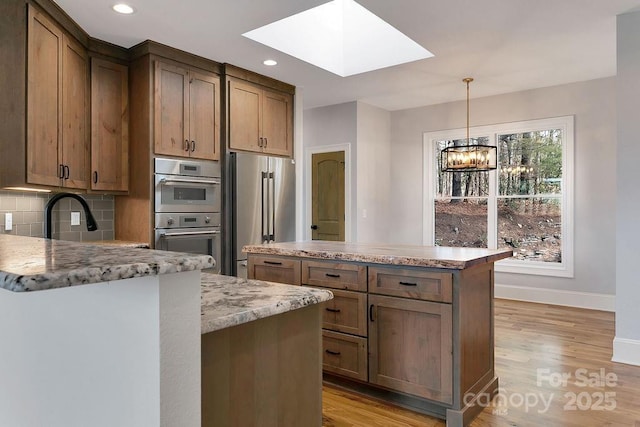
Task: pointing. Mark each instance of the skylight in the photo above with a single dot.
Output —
(341, 37)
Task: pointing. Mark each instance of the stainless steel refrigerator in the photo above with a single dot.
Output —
(263, 201)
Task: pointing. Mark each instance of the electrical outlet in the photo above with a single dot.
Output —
(75, 218)
(8, 221)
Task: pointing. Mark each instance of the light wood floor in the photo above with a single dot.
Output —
(535, 344)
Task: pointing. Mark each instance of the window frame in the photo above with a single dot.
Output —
(566, 123)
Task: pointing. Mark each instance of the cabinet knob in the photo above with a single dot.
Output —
(314, 227)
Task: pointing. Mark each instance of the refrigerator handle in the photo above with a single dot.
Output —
(272, 235)
(265, 236)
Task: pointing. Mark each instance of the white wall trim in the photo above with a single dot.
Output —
(298, 148)
(593, 301)
(308, 153)
(626, 351)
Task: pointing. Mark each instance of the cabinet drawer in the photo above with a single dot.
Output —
(335, 275)
(410, 283)
(344, 355)
(274, 269)
(346, 312)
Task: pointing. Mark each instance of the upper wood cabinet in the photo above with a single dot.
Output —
(109, 126)
(260, 119)
(57, 106)
(186, 112)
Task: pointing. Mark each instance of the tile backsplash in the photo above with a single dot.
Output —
(28, 216)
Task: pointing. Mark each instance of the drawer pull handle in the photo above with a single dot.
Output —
(273, 262)
(408, 284)
(335, 353)
(333, 310)
(332, 275)
(371, 312)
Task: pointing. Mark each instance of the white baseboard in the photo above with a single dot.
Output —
(588, 300)
(626, 351)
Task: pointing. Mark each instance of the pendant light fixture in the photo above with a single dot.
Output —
(468, 156)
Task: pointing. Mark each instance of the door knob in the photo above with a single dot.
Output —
(314, 227)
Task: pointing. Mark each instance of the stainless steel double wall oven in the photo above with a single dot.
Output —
(188, 207)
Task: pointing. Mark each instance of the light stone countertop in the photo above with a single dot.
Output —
(35, 264)
(120, 243)
(401, 255)
(229, 301)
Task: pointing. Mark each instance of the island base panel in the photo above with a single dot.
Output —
(264, 373)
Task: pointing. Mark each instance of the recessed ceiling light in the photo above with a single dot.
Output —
(123, 8)
(270, 62)
(342, 37)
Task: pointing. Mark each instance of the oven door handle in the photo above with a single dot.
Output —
(188, 234)
(189, 181)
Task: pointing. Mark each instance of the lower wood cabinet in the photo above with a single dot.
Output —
(419, 337)
(410, 346)
(346, 312)
(274, 269)
(344, 355)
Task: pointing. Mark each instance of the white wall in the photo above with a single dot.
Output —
(593, 103)
(626, 346)
(335, 124)
(120, 353)
(374, 173)
(367, 129)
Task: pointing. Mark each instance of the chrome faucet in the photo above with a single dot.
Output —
(91, 222)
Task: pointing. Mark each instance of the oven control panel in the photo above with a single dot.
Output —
(187, 220)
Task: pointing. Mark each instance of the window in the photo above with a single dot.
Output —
(525, 205)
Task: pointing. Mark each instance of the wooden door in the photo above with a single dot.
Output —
(75, 121)
(245, 116)
(44, 100)
(204, 115)
(277, 123)
(327, 196)
(410, 346)
(109, 126)
(171, 110)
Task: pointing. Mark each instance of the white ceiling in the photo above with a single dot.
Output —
(506, 45)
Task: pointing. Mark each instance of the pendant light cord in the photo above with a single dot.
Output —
(467, 80)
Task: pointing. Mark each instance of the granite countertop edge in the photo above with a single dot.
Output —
(398, 260)
(230, 301)
(36, 264)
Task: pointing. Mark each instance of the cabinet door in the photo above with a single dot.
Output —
(277, 123)
(171, 110)
(410, 346)
(109, 126)
(274, 269)
(245, 116)
(44, 100)
(204, 115)
(75, 122)
(346, 312)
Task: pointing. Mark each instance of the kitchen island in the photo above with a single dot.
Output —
(261, 353)
(412, 325)
(98, 335)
